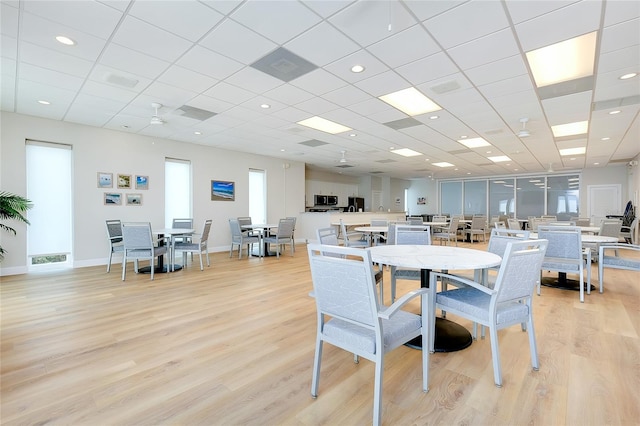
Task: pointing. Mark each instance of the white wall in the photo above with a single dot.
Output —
(100, 150)
(423, 188)
(618, 174)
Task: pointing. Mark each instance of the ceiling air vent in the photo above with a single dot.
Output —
(195, 113)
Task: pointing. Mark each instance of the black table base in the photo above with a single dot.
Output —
(562, 282)
(159, 269)
(450, 337)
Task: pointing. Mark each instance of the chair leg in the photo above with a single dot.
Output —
(495, 355)
(201, 265)
(316, 368)
(532, 344)
(152, 266)
(124, 267)
(109, 264)
(377, 391)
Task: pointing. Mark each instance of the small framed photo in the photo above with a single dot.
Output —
(142, 182)
(124, 181)
(112, 199)
(422, 200)
(134, 199)
(105, 180)
(222, 190)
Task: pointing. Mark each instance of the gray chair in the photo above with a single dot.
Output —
(184, 223)
(114, 232)
(408, 235)
(350, 317)
(241, 239)
(329, 236)
(138, 245)
(378, 238)
(293, 234)
(627, 256)
(507, 304)
(283, 235)
(196, 245)
(348, 240)
(478, 227)
(415, 220)
(246, 220)
(630, 233)
(513, 224)
(581, 221)
(565, 254)
(448, 233)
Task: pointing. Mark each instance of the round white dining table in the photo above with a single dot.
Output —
(450, 336)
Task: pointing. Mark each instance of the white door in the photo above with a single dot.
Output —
(603, 200)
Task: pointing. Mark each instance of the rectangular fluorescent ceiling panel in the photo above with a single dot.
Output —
(443, 164)
(573, 151)
(474, 142)
(410, 101)
(323, 125)
(406, 152)
(564, 61)
(570, 129)
(499, 158)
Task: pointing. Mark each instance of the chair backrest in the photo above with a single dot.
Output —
(549, 218)
(285, 228)
(379, 222)
(205, 231)
(114, 230)
(500, 225)
(453, 225)
(610, 228)
(478, 222)
(415, 220)
(513, 223)
(633, 230)
(244, 220)
(186, 223)
(520, 270)
(236, 232)
(137, 235)
(343, 283)
(412, 234)
(494, 219)
(328, 236)
(500, 238)
(565, 242)
(439, 218)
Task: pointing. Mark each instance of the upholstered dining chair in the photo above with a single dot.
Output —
(627, 256)
(240, 239)
(293, 234)
(408, 235)
(182, 223)
(196, 245)
(507, 304)
(138, 245)
(114, 232)
(448, 233)
(348, 240)
(513, 224)
(566, 254)
(283, 235)
(478, 227)
(350, 317)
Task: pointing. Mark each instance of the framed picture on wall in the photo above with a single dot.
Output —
(112, 199)
(134, 199)
(222, 190)
(105, 180)
(124, 181)
(422, 200)
(142, 182)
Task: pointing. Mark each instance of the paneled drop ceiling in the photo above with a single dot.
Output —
(240, 75)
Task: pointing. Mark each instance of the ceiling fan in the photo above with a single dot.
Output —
(155, 119)
(524, 133)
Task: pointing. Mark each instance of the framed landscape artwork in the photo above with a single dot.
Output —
(142, 182)
(105, 180)
(134, 199)
(222, 190)
(112, 199)
(124, 181)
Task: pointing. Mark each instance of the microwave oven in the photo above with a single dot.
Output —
(325, 200)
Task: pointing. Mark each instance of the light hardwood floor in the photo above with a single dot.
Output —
(233, 345)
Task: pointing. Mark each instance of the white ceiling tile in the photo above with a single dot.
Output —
(169, 95)
(484, 50)
(512, 66)
(393, 50)
(326, 8)
(206, 62)
(277, 20)
(317, 106)
(30, 92)
(620, 11)
(620, 36)
(428, 69)
(190, 80)
(428, 9)
(473, 19)
(88, 16)
(223, 6)
(368, 22)
(512, 85)
(8, 48)
(108, 91)
(568, 109)
(238, 42)
(102, 74)
(318, 82)
(560, 25)
(254, 80)
(342, 67)
(122, 58)
(33, 54)
(210, 104)
(383, 84)
(47, 76)
(7, 93)
(190, 20)
(8, 20)
(138, 35)
(229, 93)
(288, 94)
(321, 45)
(609, 86)
(620, 59)
(524, 10)
(347, 95)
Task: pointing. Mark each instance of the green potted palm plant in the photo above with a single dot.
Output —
(12, 207)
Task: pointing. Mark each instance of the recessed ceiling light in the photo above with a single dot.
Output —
(357, 68)
(626, 76)
(498, 181)
(573, 151)
(568, 60)
(572, 158)
(499, 158)
(265, 106)
(605, 139)
(515, 170)
(474, 142)
(434, 117)
(595, 164)
(570, 129)
(488, 152)
(323, 125)
(535, 180)
(463, 136)
(617, 111)
(197, 133)
(410, 101)
(443, 164)
(353, 135)
(65, 40)
(44, 102)
(468, 173)
(406, 152)
(282, 150)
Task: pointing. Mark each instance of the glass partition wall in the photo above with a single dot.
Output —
(518, 197)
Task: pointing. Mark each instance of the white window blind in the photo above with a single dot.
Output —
(177, 190)
(49, 187)
(257, 196)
